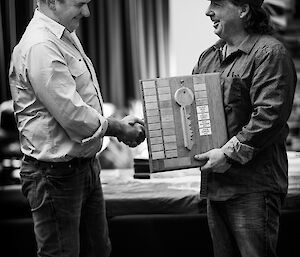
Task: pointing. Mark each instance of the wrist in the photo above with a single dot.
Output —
(114, 127)
(229, 160)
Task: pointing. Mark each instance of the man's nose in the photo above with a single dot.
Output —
(209, 12)
(85, 11)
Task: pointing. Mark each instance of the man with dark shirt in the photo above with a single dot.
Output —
(248, 176)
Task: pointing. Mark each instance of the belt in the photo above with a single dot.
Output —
(75, 162)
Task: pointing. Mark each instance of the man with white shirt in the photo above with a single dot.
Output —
(248, 176)
(58, 107)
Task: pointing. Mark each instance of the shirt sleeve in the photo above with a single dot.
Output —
(55, 87)
(238, 151)
(271, 93)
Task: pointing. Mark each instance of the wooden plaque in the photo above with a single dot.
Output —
(172, 140)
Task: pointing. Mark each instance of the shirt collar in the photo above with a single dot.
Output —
(219, 44)
(245, 46)
(56, 28)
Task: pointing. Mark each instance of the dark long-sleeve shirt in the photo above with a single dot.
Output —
(258, 83)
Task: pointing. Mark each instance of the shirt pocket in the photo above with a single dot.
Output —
(232, 91)
(77, 67)
(236, 103)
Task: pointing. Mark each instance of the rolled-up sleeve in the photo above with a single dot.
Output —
(100, 132)
(237, 151)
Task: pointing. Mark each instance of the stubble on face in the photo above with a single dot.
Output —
(71, 12)
(225, 18)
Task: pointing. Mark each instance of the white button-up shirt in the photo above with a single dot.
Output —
(57, 99)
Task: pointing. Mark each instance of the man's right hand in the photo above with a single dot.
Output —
(134, 131)
(130, 130)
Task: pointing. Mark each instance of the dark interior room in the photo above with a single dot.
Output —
(149, 213)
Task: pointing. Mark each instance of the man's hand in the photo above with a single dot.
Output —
(130, 130)
(133, 131)
(213, 161)
(132, 120)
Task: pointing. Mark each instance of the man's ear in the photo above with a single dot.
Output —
(51, 4)
(244, 10)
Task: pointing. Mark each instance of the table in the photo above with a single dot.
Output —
(162, 216)
(172, 192)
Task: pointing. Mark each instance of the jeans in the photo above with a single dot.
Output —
(68, 209)
(246, 226)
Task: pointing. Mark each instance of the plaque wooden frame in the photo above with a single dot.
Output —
(164, 128)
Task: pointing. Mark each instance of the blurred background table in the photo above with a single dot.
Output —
(162, 216)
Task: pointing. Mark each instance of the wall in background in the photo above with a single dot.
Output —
(14, 17)
(191, 32)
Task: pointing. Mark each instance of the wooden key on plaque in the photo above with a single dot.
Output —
(185, 97)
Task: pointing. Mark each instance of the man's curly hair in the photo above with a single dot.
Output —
(257, 21)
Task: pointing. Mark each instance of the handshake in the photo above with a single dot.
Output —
(130, 130)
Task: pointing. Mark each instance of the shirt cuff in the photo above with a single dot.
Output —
(237, 151)
(100, 132)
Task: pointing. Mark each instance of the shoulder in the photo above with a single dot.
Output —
(270, 51)
(213, 48)
(269, 45)
(34, 36)
(207, 58)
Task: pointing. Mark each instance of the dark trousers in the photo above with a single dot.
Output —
(246, 226)
(67, 207)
